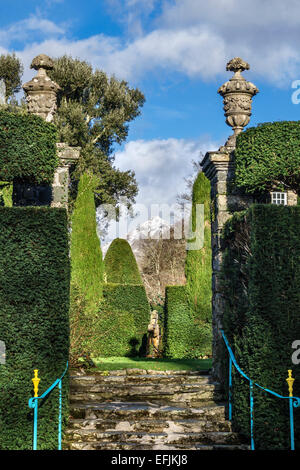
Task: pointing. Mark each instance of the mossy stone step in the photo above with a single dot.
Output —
(168, 438)
(138, 410)
(134, 447)
(148, 410)
(151, 425)
(87, 380)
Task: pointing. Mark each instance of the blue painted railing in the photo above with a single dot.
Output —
(294, 402)
(34, 403)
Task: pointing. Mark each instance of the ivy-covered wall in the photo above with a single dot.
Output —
(261, 288)
(34, 321)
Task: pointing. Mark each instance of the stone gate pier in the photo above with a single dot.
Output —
(41, 96)
(219, 167)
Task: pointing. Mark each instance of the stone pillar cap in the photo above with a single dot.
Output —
(41, 82)
(42, 61)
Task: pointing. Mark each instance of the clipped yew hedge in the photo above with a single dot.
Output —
(126, 307)
(34, 321)
(198, 265)
(27, 148)
(120, 264)
(183, 337)
(268, 156)
(188, 329)
(261, 288)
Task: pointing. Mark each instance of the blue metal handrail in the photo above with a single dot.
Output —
(33, 403)
(294, 402)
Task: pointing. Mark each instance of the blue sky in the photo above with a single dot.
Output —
(176, 52)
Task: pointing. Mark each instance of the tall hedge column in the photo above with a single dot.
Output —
(219, 167)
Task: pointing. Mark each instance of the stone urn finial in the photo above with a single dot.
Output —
(237, 94)
(41, 90)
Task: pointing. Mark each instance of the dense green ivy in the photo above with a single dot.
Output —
(268, 156)
(27, 148)
(261, 287)
(34, 321)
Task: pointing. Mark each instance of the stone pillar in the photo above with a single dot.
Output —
(60, 187)
(41, 96)
(219, 168)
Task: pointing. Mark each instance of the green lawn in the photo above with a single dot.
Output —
(116, 363)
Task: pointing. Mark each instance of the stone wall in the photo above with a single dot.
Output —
(219, 169)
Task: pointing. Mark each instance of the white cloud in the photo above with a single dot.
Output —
(24, 29)
(161, 165)
(190, 37)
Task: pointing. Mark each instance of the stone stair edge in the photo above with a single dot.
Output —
(137, 371)
(134, 446)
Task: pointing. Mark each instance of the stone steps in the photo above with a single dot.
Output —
(148, 410)
(138, 410)
(152, 438)
(151, 425)
(165, 389)
(134, 447)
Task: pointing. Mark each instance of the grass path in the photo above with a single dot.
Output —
(117, 363)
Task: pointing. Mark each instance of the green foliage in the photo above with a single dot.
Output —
(11, 71)
(268, 156)
(120, 264)
(6, 190)
(130, 298)
(87, 267)
(119, 326)
(130, 304)
(183, 337)
(27, 148)
(34, 320)
(86, 255)
(188, 308)
(198, 261)
(116, 363)
(261, 286)
(94, 112)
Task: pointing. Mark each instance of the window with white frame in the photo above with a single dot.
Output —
(279, 198)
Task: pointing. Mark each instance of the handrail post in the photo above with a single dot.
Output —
(251, 415)
(292, 424)
(230, 390)
(33, 403)
(35, 423)
(59, 415)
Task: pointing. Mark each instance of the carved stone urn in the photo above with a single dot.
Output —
(41, 90)
(237, 94)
